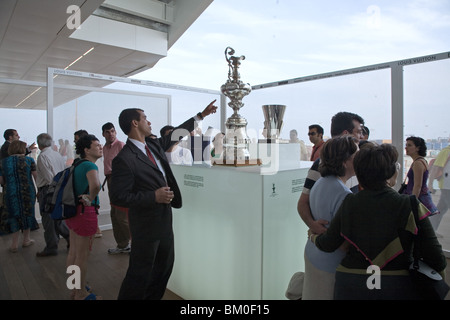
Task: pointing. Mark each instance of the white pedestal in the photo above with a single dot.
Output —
(238, 235)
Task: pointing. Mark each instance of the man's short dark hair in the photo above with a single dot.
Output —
(318, 127)
(365, 130)
(343, 121)
(128, 115)
(8, 133)
(80, 133)
(164, 129)
(107, 126)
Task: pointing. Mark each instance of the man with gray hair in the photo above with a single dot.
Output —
(48, 164)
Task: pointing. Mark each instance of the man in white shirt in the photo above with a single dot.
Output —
(48, 164)
(177, 154)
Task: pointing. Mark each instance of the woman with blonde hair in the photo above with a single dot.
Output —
(16, 175)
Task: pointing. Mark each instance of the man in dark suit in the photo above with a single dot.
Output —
(11, 135)
(143, 182)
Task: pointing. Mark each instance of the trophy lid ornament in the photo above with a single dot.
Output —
(234, 88)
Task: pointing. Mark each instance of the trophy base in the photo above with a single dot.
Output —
(236, 163)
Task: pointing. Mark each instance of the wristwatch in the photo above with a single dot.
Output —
(200, 115)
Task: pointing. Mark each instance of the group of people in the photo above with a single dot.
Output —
(142, 190)
(315, 134)
(356, 219)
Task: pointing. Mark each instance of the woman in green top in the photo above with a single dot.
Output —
(379, 224)
(84, 225)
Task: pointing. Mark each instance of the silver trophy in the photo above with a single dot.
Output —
(273, 121)
(236, 142)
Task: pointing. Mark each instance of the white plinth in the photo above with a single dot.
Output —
(238, 234)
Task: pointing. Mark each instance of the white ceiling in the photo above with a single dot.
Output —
(34, 36)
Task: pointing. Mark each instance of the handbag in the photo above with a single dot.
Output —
(402, 188)
(427, 281)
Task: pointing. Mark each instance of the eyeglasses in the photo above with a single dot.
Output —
(312, 133)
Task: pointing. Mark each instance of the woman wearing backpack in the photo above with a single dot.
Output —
(84, 225)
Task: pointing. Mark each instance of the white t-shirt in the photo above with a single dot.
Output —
(180, 155)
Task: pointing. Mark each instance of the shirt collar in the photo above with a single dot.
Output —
(140, 145)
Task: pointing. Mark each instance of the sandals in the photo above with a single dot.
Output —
(27, 244)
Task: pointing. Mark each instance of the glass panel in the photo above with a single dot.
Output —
(92, 110)
(184, 104)
(20, 109)
(82, 109)
(426, 116)
(315, 102)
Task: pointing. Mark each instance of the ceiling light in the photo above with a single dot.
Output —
(27, 97)
(71, 64)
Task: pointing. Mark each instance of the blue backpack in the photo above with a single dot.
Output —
(61, 200)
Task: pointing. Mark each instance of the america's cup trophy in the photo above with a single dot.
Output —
(236, 142)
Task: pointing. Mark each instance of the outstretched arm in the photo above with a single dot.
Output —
(185, 128)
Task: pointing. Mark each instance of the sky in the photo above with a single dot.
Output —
(286, 39)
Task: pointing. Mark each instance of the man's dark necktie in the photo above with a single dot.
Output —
(149, 154)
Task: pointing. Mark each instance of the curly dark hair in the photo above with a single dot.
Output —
(83, 143)
(420, 143)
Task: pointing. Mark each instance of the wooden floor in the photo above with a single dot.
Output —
(23, 276)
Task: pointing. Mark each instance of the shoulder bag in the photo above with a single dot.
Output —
(427, 281)
(403, 186)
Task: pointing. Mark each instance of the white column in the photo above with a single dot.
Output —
(397, 114)
(50, 127)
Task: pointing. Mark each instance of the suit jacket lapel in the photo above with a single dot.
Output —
(156, 150)
(140, 155)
